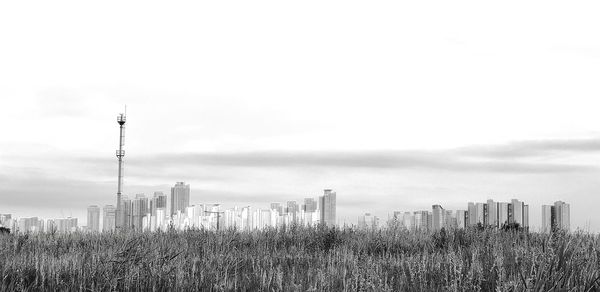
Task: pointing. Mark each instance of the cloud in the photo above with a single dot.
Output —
(440, 160)
(533, 148)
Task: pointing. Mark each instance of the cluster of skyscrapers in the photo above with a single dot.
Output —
(161, 212)
(489, 214)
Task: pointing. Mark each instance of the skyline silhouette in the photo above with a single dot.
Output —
(406, 106)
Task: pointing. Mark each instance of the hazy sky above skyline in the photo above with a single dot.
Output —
(396, 106)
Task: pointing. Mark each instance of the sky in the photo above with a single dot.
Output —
(396, 105)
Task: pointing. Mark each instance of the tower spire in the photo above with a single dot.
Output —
(119, 222)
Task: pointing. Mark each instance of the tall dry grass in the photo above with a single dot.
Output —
(301, 259)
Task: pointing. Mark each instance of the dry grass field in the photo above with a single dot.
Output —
(301, 259)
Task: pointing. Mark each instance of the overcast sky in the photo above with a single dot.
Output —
(396, 105)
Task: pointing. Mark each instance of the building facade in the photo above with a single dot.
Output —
(180, 197)
(108, 218)
(93, 218)
(327, 207)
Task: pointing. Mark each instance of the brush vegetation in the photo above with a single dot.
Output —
(301, 259)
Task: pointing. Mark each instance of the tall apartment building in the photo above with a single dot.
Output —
(108, 218)
(526, 216)
(93, 218)
(63, 225)
(293, 211)
(423, 221)
(327, 208)
(408, 220)
(126, 213)
(547, 218)
(503, 208)
(438, 216)
(556, 217)
(497, 214)
(563, 215)
(310, 211)
(462, 218)
(246, 216)
(517, 211)
(492, 213)
(32, 224)
(476, 213)
(139, 209)
(277, 207)
(180, 198)
(159, 201)
(450, 221)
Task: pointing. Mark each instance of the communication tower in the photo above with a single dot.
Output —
(120, 154)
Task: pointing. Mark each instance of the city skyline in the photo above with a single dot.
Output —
(406, 106)
(180, 195)
(145, 213)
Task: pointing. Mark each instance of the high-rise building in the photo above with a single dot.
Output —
(556, 217)
(63, 225)
(492, 213)
(423, 220)
(526, 216)
(472, 211)
(159, 201)
(461, 219)
(126, 220)
(264, 219)
(503, 213)
(480, 215)
(429, 221)
(408, 220)
(476, 213)
(310, 205)
(438, 216)
(563, 215)
(497, 214)
(139, 209)
(51, 226)
(292, 210)
(310, 211)
(108, 218)
(246, 216)
(418, 220)
(450, 221)
(180, 197)
(517, 212)
(327, 206)
(93, 218)
(547, 218)
(277, 207)
(33, 224)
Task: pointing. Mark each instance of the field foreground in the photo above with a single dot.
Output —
(301, 259)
